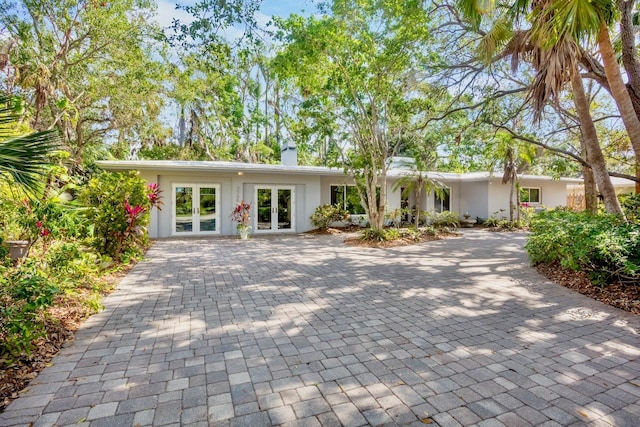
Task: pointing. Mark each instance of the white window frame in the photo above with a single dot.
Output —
(435, 198)
(529, 189)
(344, 196)
(196, 192)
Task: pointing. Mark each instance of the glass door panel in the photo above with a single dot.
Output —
(264, 208)
(284, 209)
(196, 209)
(184, 209)
(207, 210)
(275, 209)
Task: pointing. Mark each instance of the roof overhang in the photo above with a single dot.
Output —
(235, 167)
(206, 166)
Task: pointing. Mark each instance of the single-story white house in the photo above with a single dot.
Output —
(200, 195)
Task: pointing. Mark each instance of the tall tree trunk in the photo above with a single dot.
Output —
(620, 93)
(590, 190)
(418, 204)
(629, 55)
(518, 203)
(590, 136)
(511, 191)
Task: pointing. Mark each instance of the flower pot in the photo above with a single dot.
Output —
(18, 248)
(243, 232)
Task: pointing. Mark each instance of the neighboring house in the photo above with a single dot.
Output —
(575, 192)
(199, 196)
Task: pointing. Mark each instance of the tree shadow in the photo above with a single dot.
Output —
(458, 329)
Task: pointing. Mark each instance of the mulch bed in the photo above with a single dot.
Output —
(620, 295)
(402, 241)
(65, 316)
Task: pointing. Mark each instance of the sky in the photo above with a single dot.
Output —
(167, 10)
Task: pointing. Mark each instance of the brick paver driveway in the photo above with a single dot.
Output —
(303, 330)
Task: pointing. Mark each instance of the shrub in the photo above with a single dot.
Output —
(443, 219)
(602, 245)
(325, 215)
(25, 295)
(374, 235)
(631, 206)
(119, 205)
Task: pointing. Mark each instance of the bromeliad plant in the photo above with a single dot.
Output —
(241, 215)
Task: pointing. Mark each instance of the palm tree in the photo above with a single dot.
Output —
(516, 158)
(582, 19)
(418, 181)
(23, 157)
(556, 64)
(556, 21)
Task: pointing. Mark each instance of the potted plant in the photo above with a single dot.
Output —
(241, 216)
(17, 229)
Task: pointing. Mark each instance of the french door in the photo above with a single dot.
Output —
(275, 209)
(196, 209)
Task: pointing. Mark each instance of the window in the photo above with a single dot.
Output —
(442, 201)
(404, 204)
(529, 195)
(346, 196)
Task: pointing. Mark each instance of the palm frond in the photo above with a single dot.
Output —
(473, 10)
(494, 40)
(581, 18)
(24, 158)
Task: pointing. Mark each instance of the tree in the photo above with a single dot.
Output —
(361, 60)
(556, 25)
(418, 180)
(23, 157)
(555, 59)
(85, 68)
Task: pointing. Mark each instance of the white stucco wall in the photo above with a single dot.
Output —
(474, 196)
(552, 194)
(233, 188)
(480, 197)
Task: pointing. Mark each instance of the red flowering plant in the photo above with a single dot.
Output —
(118, 211)
(241, 215)
(33, 219)
(133, 215)
(153, 194)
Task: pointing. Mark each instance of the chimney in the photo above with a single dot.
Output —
(289, 154)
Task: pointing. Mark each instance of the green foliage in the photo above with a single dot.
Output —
(58, 274)
(325, 215)
(89, 67)
(631, 206)
(25, 294)
(379, 234)
(23, 157)
(119, 211)
(602, 245)
(357, 68)
(443, 219)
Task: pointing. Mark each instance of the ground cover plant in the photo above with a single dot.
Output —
(440, 225)
(595, 254)
(604, 245)
(77, 239)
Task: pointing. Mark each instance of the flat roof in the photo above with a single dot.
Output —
(214, 166)
(218, 166)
